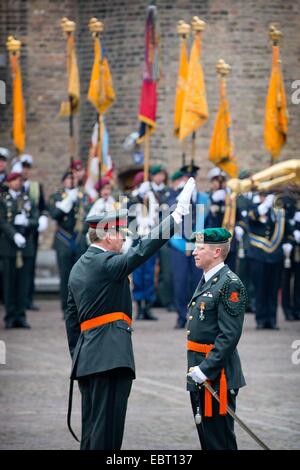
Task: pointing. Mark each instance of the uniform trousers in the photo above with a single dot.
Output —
(104, 399)
(266, 279)
(216, 432)
(15, 288)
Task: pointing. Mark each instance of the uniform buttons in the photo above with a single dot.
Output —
(190, 317)
(188, 332)
(193, 303)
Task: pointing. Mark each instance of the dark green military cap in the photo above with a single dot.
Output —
(244, 173)
(154, 169)
(212, 236)
(114, 220)
(176, 175)
(190, 170)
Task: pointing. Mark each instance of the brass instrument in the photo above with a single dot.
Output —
(276, 177)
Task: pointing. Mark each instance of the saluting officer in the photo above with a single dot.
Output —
(18, 222)
(99, 316)
(69, 207)
(215, 322)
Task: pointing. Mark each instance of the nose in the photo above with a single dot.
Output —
(194, 252)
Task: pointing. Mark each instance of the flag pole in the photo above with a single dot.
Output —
(68, 28)
(96, 27)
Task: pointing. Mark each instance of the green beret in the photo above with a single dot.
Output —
(114, 220)
(154, 169)
(176, 175)
(212, 236)
(244, 173)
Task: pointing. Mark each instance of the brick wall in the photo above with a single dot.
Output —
(236, 31)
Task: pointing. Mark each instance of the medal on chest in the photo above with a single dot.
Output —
(202, 309)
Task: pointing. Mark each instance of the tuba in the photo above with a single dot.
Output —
(277, 177)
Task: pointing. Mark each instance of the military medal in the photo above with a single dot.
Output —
(202, 307)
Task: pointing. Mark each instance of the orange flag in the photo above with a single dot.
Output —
(181, 85)
(101, 91)
(221, 151)
(195, 109)
(18, 105)
(73, 80)
(276, 116)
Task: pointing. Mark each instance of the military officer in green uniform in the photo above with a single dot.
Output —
(99, 317)
(69, 207)
(215, 322)
(18, 222)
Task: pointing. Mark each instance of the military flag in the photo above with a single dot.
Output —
(152, 72)
(101, 92)
(195, 108)
(18, 131)
(221, 151)
(182, 75)
(276, 116)
(72, 105)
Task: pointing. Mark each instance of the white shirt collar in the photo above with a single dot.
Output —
(14, 194)
(97, 246)
(213, 271)
(157, 187)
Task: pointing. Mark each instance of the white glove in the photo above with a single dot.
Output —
(297, 216)
(266, 205)
(43, 223)
(73, 194)
(219, 195)
(296, 234)
(21, 219)
(127, 244)
(19, 240)
(183, 200)
(65, 205)
(239, 233)
(197, 375)
(287, 248)
(144, 188)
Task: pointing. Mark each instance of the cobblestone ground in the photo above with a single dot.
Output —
(34, 386)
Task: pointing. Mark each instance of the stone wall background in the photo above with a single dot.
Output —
(237, 31)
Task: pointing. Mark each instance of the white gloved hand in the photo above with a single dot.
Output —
(65, 205)
(219, 195)
(73, 194)
(287, 248)
(197, 375)
(21, 219)
(296, 234)
(144, 188)
(127, 244)
(19, 240)
(269, 201)
(43, 223)
(297, 216)
(183, 200)
(239, 233)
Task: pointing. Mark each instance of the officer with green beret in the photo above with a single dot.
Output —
(215, 322)
(99, 317)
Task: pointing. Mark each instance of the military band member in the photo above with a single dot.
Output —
(18, 223)
(35, 191)
(215, 322)
(268, 235)
(98, 321)
(4, 156)
(69, 207)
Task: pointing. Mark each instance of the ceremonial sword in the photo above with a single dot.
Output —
(235, 417)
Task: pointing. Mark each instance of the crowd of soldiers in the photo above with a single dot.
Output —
(265, 247)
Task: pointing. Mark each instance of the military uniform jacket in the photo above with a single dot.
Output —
(71, 228)
(223, 300)
(98, 285)
(9, 208)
